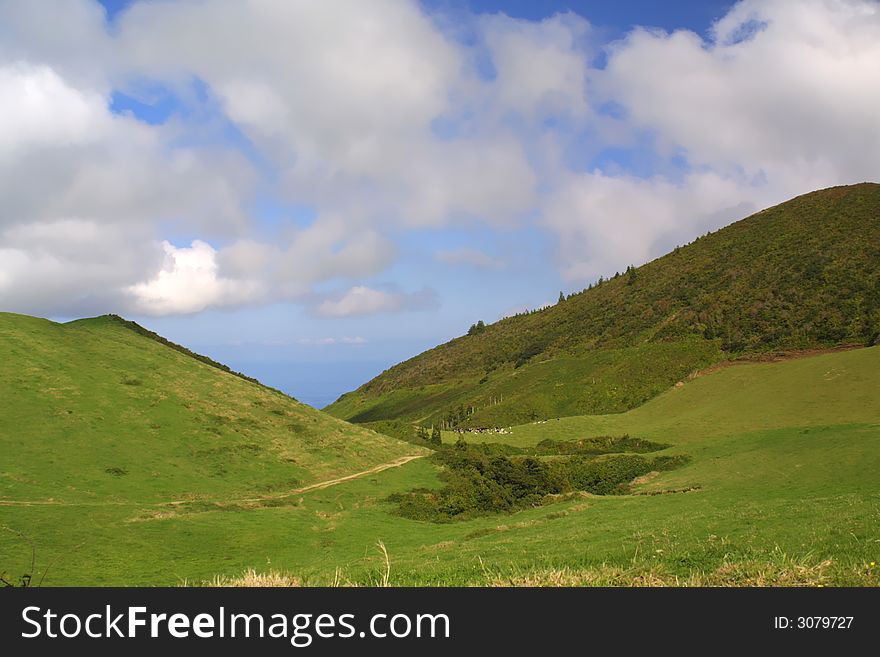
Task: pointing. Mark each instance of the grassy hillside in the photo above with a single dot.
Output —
(94, 411)
(804, 274)
(783, 489)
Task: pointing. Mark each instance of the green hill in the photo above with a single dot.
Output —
(781, 488)
(102, 411)
(802, 275)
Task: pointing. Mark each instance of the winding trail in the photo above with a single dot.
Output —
(396, 463)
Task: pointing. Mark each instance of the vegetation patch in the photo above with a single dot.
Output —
(494, 478)
(600, 445)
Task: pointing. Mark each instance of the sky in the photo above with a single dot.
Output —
(311, 192)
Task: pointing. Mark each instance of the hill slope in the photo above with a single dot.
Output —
(803, 274)
(94, 411)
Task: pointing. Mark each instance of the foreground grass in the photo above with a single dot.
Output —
(779, 570)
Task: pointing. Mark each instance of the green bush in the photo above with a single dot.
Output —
(492, 478)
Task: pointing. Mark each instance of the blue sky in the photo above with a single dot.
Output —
(312, 192)
(619, 16)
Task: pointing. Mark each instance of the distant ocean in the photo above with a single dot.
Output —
(315, 384)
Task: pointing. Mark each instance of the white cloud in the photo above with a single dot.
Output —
(327, 249)
(39, 109)
(783, 101)
(605, 223)
(340, 99)
(360, 300)
(341, 95)
(85, 192)
(363, 300)
(802, 94)
(341, 102)
(71, 266)
(70, 36)
(541, 67)
(188, 282)
(470, 257)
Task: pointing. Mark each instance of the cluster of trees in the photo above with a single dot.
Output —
(433, 439)
(477, 328)
(484, 479)
(595, 446)
(531, 350)
(456, 416)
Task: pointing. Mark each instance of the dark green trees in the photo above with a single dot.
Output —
(479, 327)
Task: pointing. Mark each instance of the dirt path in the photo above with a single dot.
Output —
(396, 463)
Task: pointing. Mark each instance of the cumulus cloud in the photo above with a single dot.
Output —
(781, 101)
(325, 250)
(84, 192)
(541, 67)
(339, 100)
(363, 300)
(342, 96)
(380, 118)
(608, 222)
(64, 153)
(73, 40)
(71, 266)
(188, 282)
(44, 111)
(799, 94)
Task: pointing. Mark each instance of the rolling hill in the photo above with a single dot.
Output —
(801, 275)
(103, 411)
(781, 489)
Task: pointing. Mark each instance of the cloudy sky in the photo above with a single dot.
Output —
(313, 190)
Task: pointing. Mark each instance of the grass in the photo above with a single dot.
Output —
(802, 275)
(617, 379)
(783, 481)
(836, 388)
(776, 570)
(94, 412)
